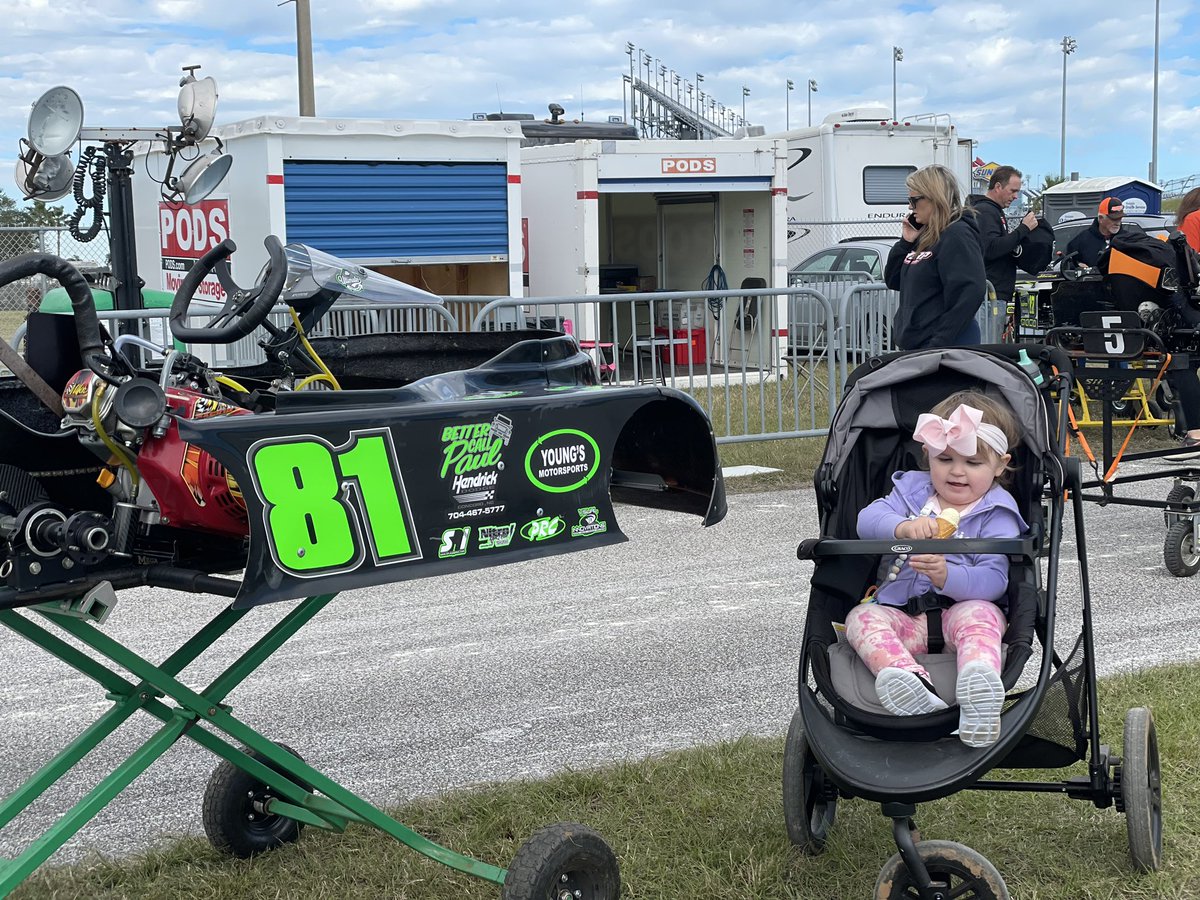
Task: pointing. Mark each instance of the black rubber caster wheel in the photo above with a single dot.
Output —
(563, 862)
(1141, 790)
(1179, 550)
(233, 816)
(809, 801)
(957, 871)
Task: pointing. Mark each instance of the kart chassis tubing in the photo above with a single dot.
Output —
(203, 716)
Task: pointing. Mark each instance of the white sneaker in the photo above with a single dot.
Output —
(980, 699)
(905, 693)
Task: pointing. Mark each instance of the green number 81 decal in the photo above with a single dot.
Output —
(319, 501)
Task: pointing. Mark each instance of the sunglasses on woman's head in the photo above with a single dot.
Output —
(912, 201)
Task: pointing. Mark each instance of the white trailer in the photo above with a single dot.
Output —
(611, 216)
(436, 204)
(851, 168)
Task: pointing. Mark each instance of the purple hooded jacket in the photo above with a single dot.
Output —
(969, 576)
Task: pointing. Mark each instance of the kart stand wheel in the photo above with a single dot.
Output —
(809, 801)
(954, 869)
(564, 861)
(233, 816)
(1179, 550)
(1180, 495)
(1141, 790)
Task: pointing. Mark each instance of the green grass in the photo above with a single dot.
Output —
(708, 823)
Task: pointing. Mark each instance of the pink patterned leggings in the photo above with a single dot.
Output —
(885, 636)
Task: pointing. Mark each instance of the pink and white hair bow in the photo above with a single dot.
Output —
(961, 432)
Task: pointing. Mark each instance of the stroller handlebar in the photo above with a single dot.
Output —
(1021, 549)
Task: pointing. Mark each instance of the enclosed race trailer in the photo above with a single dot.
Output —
(851, 169)
(436, 204)
(612, 216)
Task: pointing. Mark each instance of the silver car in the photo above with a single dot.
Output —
(835, 272)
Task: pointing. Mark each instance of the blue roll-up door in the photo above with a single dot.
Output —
(398, 211)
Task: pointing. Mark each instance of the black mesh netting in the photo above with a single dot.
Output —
(1062, 718)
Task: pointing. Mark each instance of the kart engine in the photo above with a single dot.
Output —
(180, 485)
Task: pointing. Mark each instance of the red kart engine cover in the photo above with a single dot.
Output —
(193, 489)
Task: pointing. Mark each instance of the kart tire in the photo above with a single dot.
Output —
(563, 860)
(809, 801)
(959, 870)
(232, 822)
(1141, 790)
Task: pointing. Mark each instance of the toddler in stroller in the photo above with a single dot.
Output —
(966, 440)
(845, 739)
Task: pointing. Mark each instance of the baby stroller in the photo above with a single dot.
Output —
(842, 742)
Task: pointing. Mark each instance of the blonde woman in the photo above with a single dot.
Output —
(937, 265)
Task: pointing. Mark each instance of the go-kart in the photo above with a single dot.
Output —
(121, 468)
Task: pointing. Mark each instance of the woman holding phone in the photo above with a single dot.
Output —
(937, 265)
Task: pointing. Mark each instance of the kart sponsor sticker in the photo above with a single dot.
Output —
(454, 542)
(496, 537)
(562, 460)
(472, 460)
(589, 523)
(543, 529)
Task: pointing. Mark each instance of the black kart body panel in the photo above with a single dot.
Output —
(512, 460)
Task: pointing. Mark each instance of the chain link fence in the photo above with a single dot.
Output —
(24, 295)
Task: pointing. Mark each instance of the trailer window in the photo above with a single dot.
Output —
(885, 184)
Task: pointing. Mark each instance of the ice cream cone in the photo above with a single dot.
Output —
(947, 523)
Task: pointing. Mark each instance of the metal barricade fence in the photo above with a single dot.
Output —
(764, 363)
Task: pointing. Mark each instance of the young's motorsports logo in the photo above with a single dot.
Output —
(562, 460)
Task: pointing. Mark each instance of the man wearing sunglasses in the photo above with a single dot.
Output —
(1088, 245)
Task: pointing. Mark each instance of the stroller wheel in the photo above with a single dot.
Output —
(956, 871)
(809, 800)
(1179, 550)
(563, 860)
(1141, 790)
(232, 811)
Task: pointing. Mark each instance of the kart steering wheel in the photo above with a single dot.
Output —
(243, 310)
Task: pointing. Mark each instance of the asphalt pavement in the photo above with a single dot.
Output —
(682, 636)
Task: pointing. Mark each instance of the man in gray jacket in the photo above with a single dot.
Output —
(1001, 247)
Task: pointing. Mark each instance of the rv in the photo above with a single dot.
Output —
(846, 176)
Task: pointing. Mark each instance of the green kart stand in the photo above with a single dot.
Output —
(261, 794)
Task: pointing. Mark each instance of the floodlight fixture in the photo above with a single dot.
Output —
(55, 121)
(202, 176)
(44, 177)
(197, 105)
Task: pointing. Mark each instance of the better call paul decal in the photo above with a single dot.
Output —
(326, 508)
(562, 460)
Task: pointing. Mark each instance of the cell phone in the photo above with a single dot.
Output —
(912, 220)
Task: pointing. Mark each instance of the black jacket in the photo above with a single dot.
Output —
(940, 288)
(1088, 245)
(1001, 247)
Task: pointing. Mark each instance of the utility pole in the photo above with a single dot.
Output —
(812, 89)
(787, 108)
(304, 58)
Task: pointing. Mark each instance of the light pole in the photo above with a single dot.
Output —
(1154, 117)
(812, 89)
(897, 56)
(304, 59)
(1068, 47)
(787, 108)
(745, 94)
(699, 81)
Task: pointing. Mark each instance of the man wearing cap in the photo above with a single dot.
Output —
(1088, 245)
(1001, 247)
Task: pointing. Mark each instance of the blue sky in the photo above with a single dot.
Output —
(995, 69)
